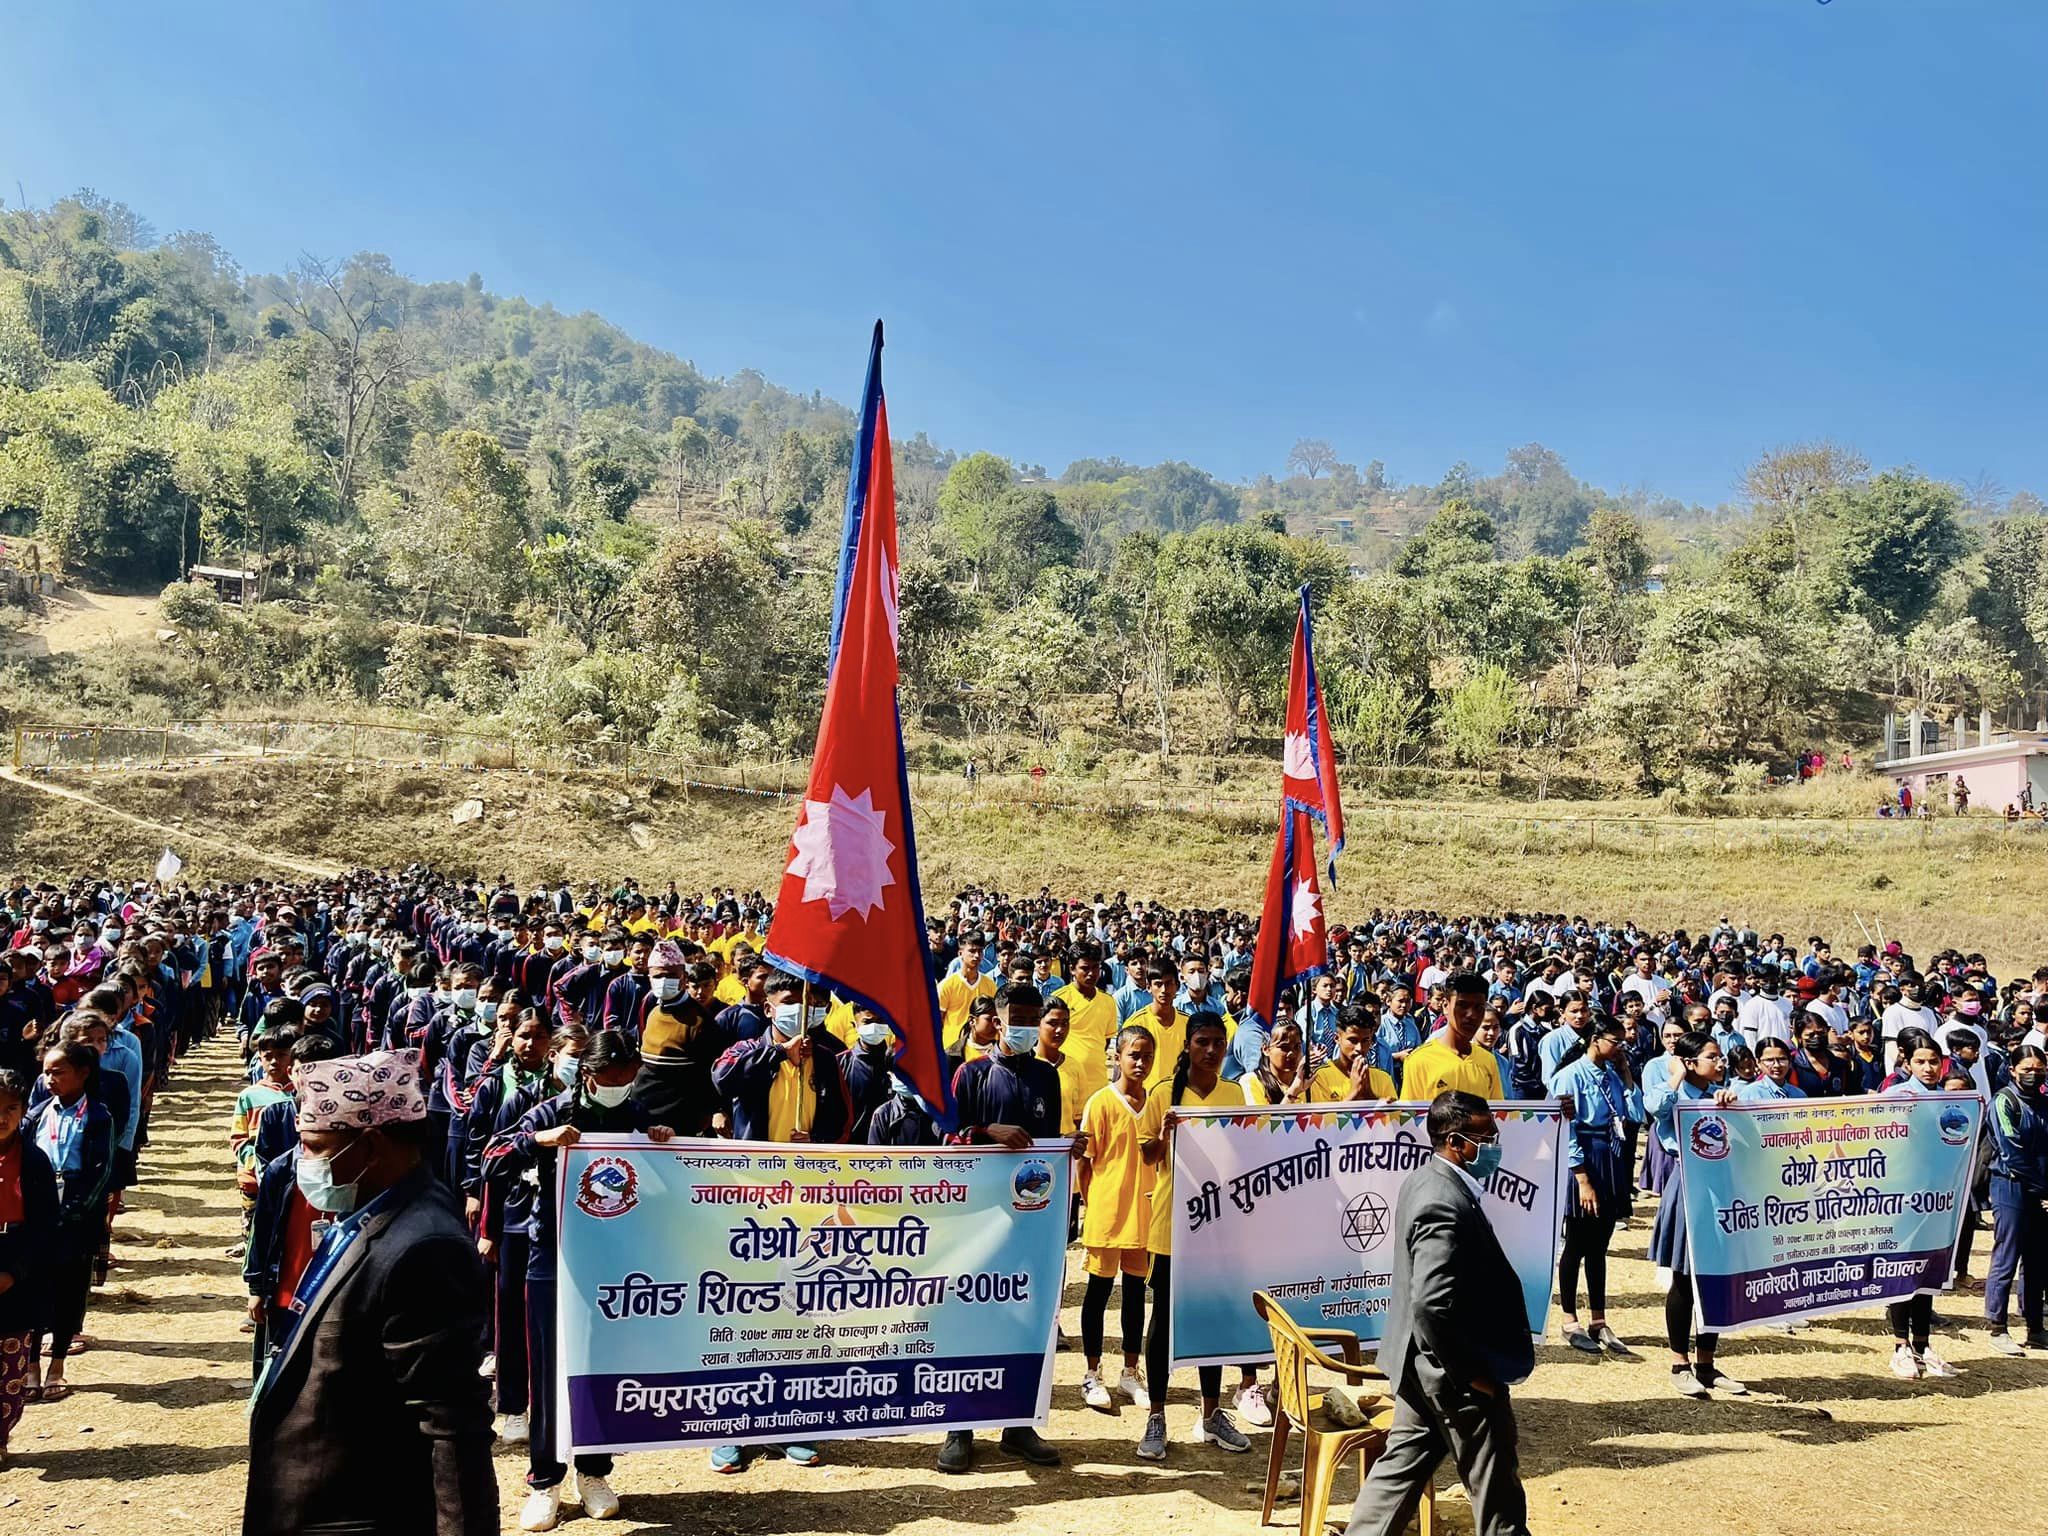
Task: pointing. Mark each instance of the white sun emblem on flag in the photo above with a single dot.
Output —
(842, 853)
(1297, 757)
(1308, 909)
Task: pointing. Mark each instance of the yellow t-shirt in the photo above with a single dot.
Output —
(640, 924)
(839, 1020)
(1119, 1210)
(722, 946)
(730, 990)
(1436, 1065)
(1082, 1074)
(956, 996)
(1152, 1127)
(792, 1102)
(1092, 1020)
(1255, 1091)
(1331, 1084)
(1168, 1041)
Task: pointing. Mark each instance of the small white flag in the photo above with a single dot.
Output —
(167, 867)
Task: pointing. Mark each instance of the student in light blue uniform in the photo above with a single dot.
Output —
(1924, 1069)
(1691, 1075)
(1774, 1081)
(1597, 1088)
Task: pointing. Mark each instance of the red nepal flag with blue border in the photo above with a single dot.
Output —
(850, 915)
(1292, 945)
(1308, 757)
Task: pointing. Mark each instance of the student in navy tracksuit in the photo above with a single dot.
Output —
(1008, 1100)
(503, 1096)
(76, 1134)
(2019, 1200)
(750, 1072)
(600, 1102)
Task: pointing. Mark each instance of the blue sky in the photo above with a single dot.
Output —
(1656, 237)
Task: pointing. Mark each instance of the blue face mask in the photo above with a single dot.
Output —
(322, 1191)
(1020, 1039)
(1486, 1163)
(568, 1070)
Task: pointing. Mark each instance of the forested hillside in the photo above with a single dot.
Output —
(476, 507)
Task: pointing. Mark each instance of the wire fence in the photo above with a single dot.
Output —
(60, 750)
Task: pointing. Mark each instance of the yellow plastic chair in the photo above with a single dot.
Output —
(1324, 1444)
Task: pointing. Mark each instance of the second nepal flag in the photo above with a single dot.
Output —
(1292, 945)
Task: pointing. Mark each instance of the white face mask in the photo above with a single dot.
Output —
(465, 999)
(614, 956)
(610, 1098)
(591, 951)
(552, 943)
(873, 1032)
(668, 988)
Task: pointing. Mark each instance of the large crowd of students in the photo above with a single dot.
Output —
(534, 1017)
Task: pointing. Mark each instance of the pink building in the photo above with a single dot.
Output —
(1998, 766)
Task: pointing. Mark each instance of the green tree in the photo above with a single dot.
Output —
(968, 502)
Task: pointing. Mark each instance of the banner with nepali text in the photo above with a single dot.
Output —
(1802, 1207)
(727, 1293)
(1300, 1203)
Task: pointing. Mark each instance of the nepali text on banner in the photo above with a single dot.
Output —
(1803, 1207)
(1300, 1203)
(718, 1292)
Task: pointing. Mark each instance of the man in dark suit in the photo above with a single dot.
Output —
(1457, 1335)
(370, 1416)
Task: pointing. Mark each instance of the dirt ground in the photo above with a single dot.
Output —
(75, 619)
(153, 1439)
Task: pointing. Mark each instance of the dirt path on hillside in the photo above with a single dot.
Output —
(180, 839)
(153, 1440)
(75, 619)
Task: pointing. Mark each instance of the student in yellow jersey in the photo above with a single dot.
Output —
(1453, 1057)
(958, 992)
(1197, 1082)
(1349, 1077)
(1116, 1182)
(1082, 1072)
(1091, 1010)
(1282, 1073)
(1168, 1024)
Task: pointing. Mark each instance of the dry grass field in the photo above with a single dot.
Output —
(1966, 884)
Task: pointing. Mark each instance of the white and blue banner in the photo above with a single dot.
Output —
(724, 1293)
(1299, 1203)
(1803, 1207)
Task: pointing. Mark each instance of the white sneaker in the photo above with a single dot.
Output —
(542, 1510)
(596, 1496)
(489, 1368)
(1905, 1364)
(1134, 1389)
(512, 1429)
(1250, 1403)
(1094, 1393)
(1932, 1364)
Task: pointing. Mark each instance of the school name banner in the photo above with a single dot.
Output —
(1804, 1207)
(714, 1292)
(1299, 1203)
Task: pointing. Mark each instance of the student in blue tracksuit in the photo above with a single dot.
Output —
(2019, 1200)
(601, 1102)
(1925, 1068)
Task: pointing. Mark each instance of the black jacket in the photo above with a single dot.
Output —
(373, 1418)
